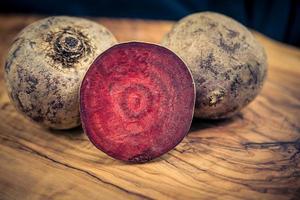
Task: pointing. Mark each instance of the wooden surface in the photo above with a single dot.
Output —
(255, 155)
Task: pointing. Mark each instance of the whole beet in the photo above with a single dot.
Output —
(228, 64)
(45, 66)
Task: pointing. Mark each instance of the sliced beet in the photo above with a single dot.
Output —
(137, 101)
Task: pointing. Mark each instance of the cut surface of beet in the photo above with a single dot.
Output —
(137, 101)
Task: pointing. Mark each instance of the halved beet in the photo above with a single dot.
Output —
(137, 101)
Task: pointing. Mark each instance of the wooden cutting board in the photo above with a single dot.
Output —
(255, 155)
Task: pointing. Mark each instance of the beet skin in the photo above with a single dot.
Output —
(137, 101)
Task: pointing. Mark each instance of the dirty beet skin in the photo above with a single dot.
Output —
(137, 101)
(228, 64)
(46, 64)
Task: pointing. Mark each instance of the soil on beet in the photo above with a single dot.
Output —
(137, 101)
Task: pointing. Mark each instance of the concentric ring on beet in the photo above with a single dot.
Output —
(137, 101)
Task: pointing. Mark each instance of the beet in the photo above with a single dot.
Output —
(46, 64)
(137, 101)
(228, 64)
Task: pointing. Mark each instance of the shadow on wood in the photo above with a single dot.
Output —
(201, 124)
(74, 132)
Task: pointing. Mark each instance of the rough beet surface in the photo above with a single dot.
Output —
(46, 64)
(137, 101)
(228, 64)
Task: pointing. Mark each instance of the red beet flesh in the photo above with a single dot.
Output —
(137, 101)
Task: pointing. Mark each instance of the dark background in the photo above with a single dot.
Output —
(279, 19)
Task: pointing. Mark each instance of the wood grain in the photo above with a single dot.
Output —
(255, 155)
